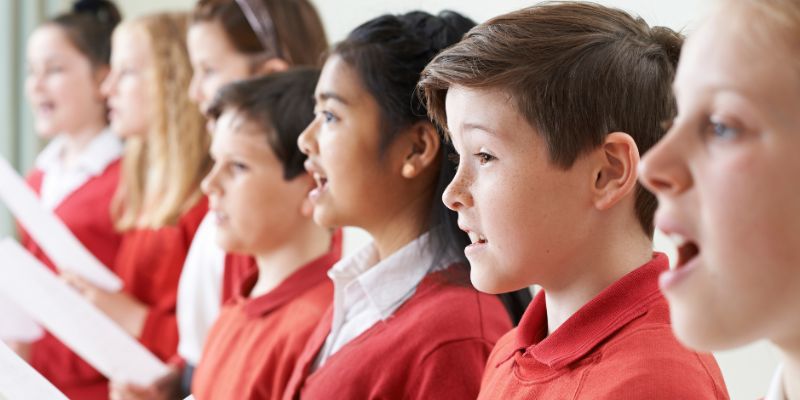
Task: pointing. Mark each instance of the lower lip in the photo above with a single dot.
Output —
(315, 193)
(668, 280)
(474, 249)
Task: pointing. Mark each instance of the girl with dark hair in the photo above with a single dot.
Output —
(405, 322)
(68, 59)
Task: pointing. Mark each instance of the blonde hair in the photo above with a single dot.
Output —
(161, 172)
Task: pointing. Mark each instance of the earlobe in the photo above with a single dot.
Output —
(615, 176)
(271, 66)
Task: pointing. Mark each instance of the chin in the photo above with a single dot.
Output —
(484, 282)
(701, 333)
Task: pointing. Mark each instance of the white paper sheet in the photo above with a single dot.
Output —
(50, 233)
(18, 381)
(72, 319)
(15, 324)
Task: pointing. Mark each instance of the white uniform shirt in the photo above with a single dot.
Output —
(61, 180)
(776, 390)
(366, 291)
(199, 290)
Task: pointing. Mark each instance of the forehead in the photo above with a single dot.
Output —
(50, 40)
(131, 41)
(340, 79)
(492, 111)
(729, 53)
(208, 37)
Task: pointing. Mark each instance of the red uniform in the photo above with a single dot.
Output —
(87, 213)
(252, 348)
(618, 346)
(433, 347)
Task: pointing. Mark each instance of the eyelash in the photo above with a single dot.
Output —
(722, 130)
(485, 157)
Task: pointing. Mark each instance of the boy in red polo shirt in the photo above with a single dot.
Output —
(258, 193)
(549, 108)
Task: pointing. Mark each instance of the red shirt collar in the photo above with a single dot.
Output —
(305, 278)
(617, 305)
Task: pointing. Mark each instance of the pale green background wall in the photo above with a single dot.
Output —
(747, 371)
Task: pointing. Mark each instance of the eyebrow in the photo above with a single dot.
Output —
(476, 126)
(332, 96)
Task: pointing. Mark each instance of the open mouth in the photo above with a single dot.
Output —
(688, 250)
(45, 108)
(322, 185)
(476, 238)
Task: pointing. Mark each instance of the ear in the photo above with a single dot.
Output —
(421, 147)
(615, 175)
(270, 66)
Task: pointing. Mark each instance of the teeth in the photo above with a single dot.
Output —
(476, 237)
(677, 239)
(319, 179)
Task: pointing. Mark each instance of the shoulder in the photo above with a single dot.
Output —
(647, 360)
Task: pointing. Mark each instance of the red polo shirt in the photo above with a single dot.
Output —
(254, 344)
(433, 347)
(618, 346)
(87, 213)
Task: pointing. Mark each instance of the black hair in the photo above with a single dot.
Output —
(281, 103)
(389, 54)
(89, 26)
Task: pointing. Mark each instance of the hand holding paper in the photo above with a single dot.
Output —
(72, 319)
(128, 312)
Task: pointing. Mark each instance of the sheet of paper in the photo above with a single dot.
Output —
(19, 381)
(50, 233)
(15, 324)
(72, 319)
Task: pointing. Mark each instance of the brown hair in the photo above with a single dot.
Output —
(88, 26)
(575, 71)
(161, 171)
(296, 23)
(281, 104)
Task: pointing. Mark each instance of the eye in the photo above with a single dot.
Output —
(328, 117)
(239, 167)
(722, 130)
(484, 158)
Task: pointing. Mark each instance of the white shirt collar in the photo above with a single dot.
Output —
(776, 389)
(368, 290)
(104, 149)
(387, 283)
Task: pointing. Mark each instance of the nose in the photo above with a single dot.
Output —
(456, 195)
(195, 94)
(210, 185)
(307, 141)
(108, 87)
(664, 169)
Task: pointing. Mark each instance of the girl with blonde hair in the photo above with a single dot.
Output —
(158, 205)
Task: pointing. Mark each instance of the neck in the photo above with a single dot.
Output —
(76, 142)
(400, 227)
(277, 264)
(604, 259)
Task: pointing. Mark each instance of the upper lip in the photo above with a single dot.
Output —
(474, 237)
(315, 171)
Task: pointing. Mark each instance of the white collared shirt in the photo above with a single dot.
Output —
(366, 290)
(776, 390)
(60, 180)
(199, 290)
